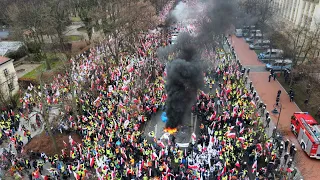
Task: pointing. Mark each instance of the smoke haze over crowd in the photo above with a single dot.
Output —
(185, 71)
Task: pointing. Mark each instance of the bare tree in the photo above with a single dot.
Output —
(86, 10)
(58, 18)
(158, 4)
(45, 113)
(122, 21)
(300, 44)
(29, 21)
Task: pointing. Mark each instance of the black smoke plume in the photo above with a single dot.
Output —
(184, 78)
(185, 72)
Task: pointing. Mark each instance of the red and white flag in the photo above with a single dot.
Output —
(125, 88)
(241, 139)
(254, 166)
(290, 170)
(231, 135)
(154, 156)
(253, 103)
(259, 147)
(76, 176)
(241, 130)
(91, 162)
(237, 164)
(161, 144)
(224, 170)
(194, 167)
(130, 68)
(194, 137)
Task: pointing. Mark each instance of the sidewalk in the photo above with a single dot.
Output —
(267, 92)
(272, 124)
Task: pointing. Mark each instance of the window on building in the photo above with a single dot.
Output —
(11, 86)
(6, 72)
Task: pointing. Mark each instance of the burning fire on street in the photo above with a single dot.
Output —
(170, 130)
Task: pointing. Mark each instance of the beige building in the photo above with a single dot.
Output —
(303, 13)
(8, 77)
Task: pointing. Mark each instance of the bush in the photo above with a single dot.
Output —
(25, 82)
(33, 48)
(73, 38)
(21, 52)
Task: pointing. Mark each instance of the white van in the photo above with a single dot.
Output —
(239, 33)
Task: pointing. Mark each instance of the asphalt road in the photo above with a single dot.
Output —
(190, 124)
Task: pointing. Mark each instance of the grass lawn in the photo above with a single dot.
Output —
(53, 62)
(75, 19)
(300, 97)
(73, 38)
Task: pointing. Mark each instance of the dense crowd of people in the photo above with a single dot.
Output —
(114, 99)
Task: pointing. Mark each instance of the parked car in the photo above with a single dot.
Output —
(253, 31)
(252, 38)
(278, 65)
(239, 33)
(265, 44)
(271, 54)
(246, 31)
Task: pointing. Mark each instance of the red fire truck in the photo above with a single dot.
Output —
(307, 130)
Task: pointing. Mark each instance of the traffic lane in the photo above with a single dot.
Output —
(244, 54)
(268, 93)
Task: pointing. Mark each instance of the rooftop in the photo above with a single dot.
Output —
(307, 117)
(3, 60)
(9, 46)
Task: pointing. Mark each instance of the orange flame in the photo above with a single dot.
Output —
(170, 130)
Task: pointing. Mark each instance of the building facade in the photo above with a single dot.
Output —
(301, 13)
(8, 78)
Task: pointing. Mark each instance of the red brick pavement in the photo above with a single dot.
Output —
(246, 56)
(267, 91)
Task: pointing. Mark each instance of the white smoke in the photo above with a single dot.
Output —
(185, 13)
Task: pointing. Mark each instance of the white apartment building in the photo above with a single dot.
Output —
(303, 13)
(8, 77)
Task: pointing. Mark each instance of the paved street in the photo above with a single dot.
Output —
(157, 126)
(267, 91)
